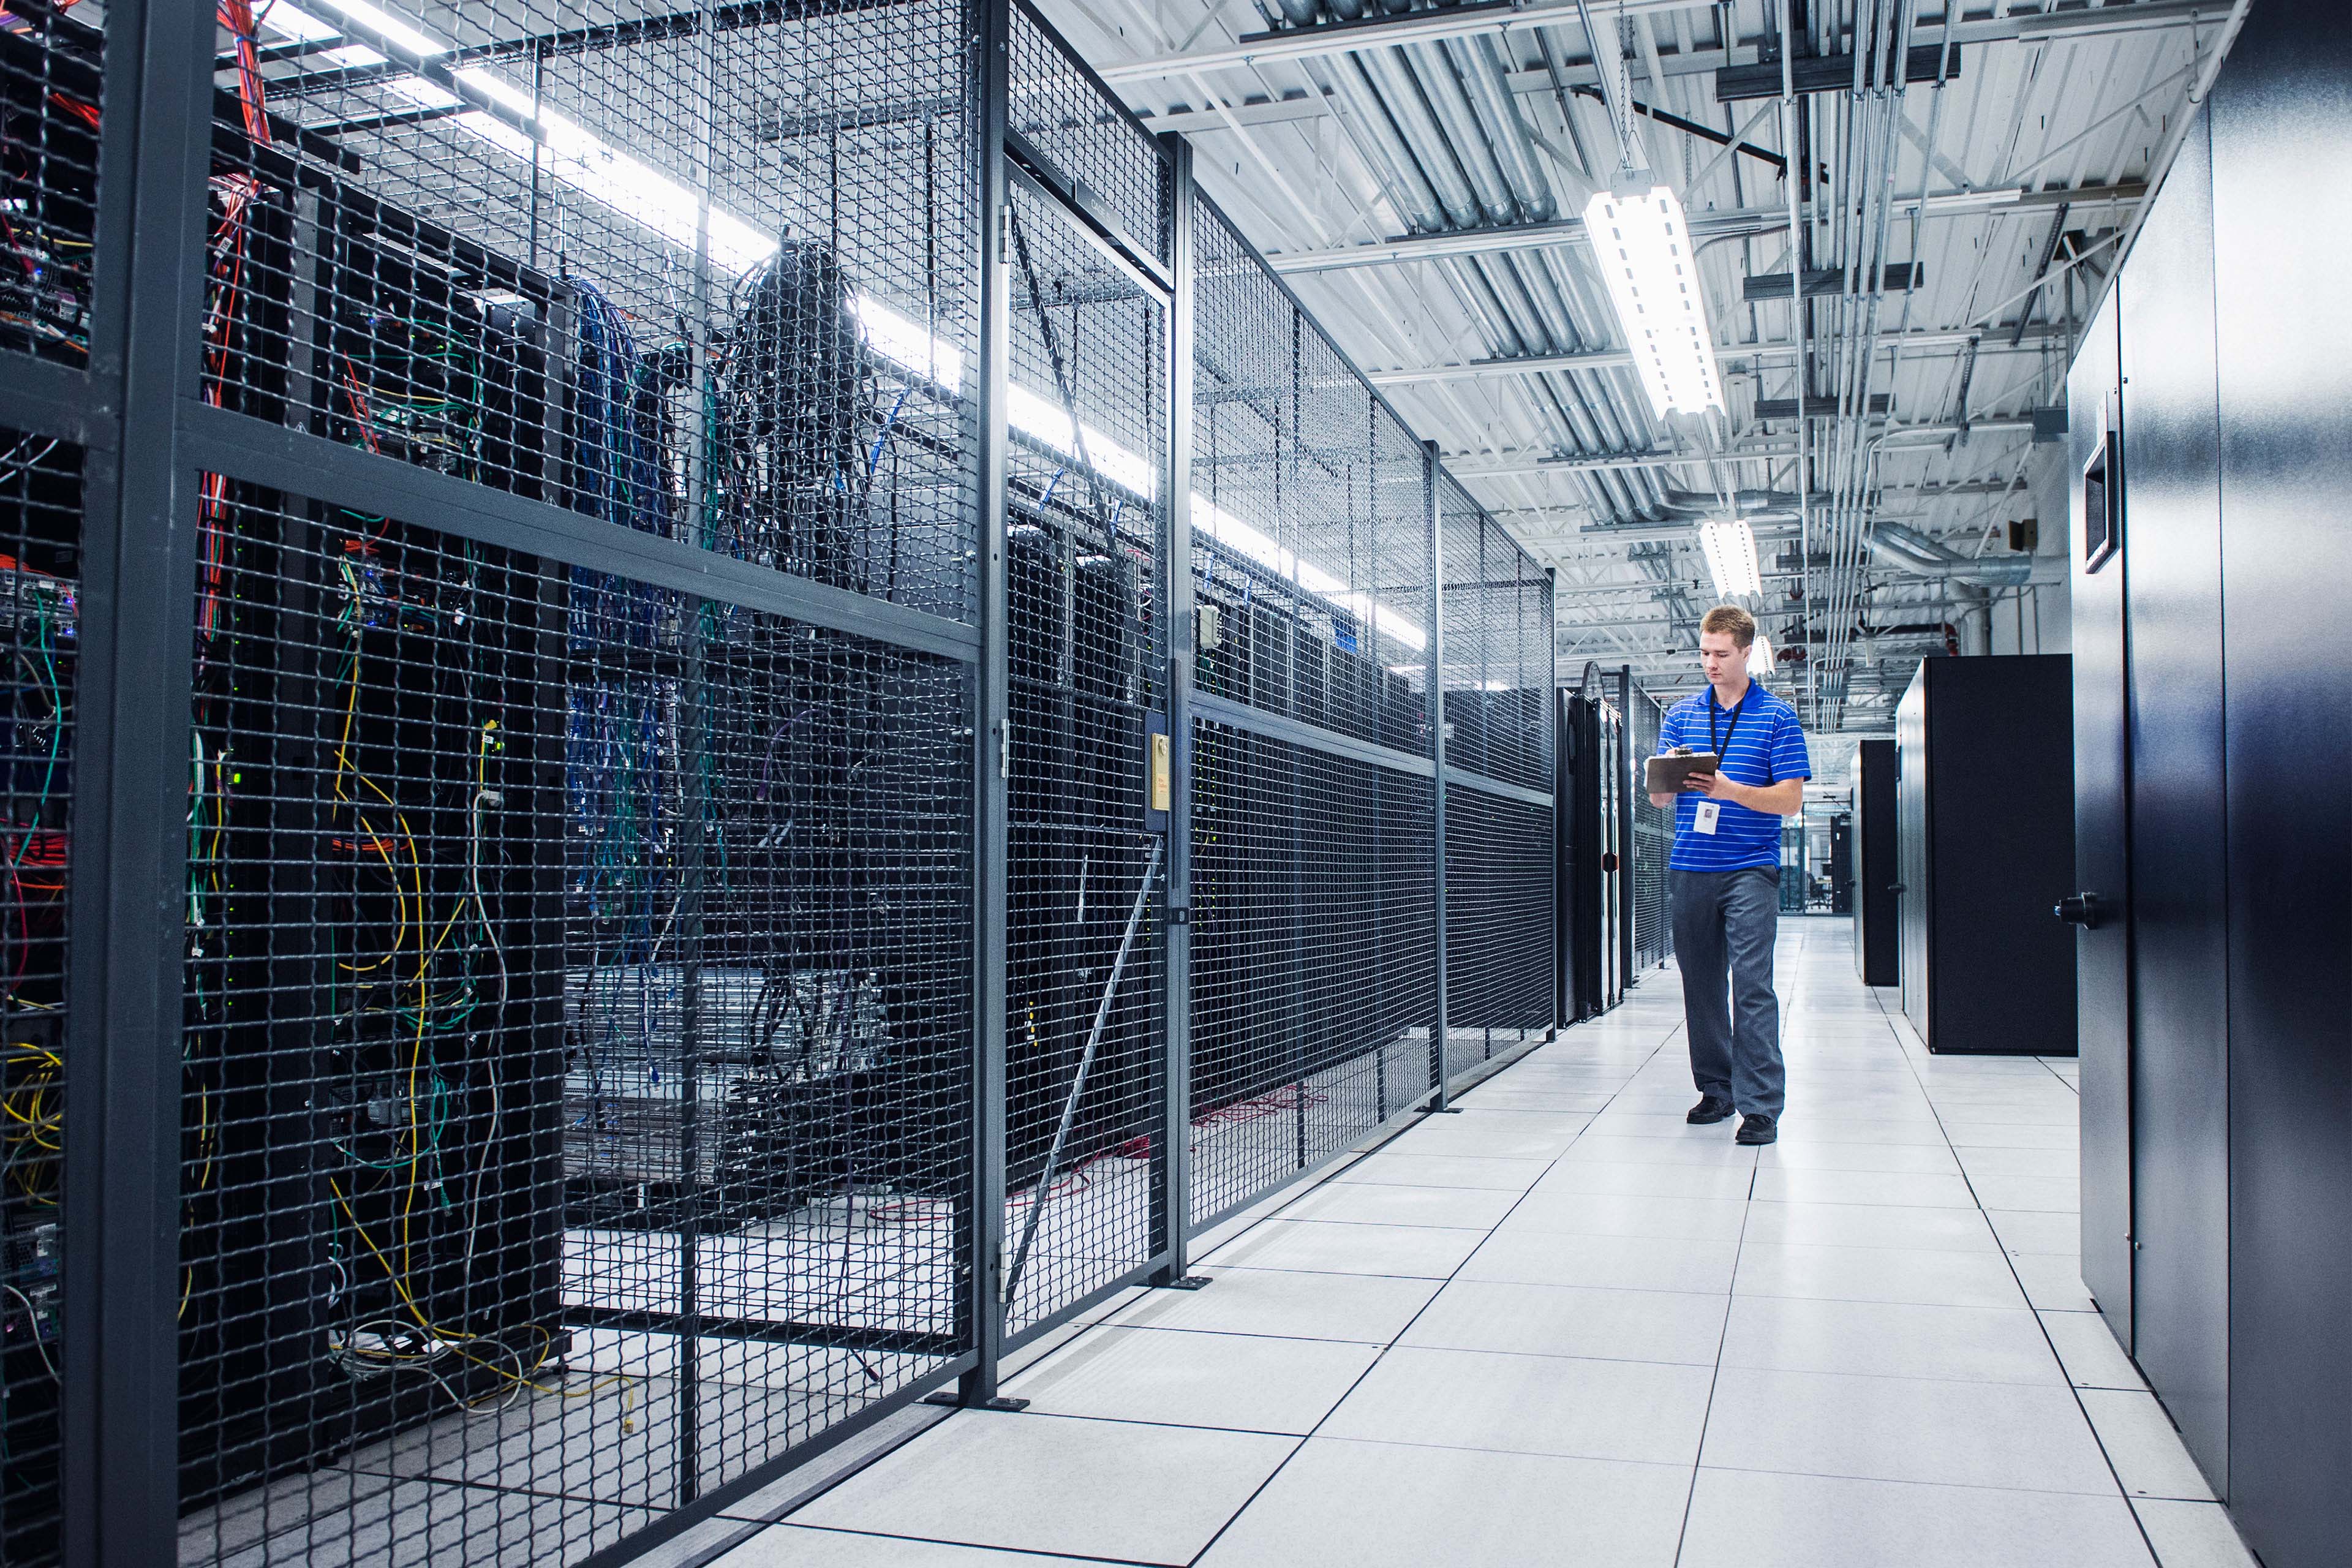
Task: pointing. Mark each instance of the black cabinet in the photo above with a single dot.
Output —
(2171, 519)
(2214, 777)
(1985, 820)
(2282, 133)
(1876, 928)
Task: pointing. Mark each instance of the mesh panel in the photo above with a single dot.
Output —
(1498, 923)
(578, 1038)
(1085, 132)
(1654, 841)
(1313, 959)
(517, 260)
(1313, 890)
(1087, 523)
(1311, 550)
(51, 67)
(41, 534)
(1497, 648)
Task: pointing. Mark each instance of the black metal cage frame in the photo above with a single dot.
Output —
(714, 714)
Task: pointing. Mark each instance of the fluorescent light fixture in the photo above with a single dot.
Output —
(1760, 656)
(376, 21)
(1642, 246)
(1729, 546)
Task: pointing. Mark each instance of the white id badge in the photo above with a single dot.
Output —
(1703, 820)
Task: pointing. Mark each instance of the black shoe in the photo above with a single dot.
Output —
(1708, 1110)
(1756, 1128)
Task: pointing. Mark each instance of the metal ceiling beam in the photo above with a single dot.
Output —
(1500, 17)
(1827, 73)
(1899, 278)
(1515, 464)
(2036, 336)
(1738, 223)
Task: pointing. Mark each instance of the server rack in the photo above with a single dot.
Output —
(1877, 879)
(1983, 968)
(1591, 759)
(629, 581)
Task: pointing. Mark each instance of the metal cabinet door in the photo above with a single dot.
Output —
(2101, 786)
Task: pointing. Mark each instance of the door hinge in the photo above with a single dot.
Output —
(1004, 234)
(1005, 748)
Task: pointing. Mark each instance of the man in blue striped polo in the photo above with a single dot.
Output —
(1725, 875)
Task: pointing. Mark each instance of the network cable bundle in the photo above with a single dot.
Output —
(40, 504)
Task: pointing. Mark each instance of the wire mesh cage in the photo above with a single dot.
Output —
(578, 1041)
(578, 1050)
(722, 248)
(40, 539)
(1654, 841)
(52, 70)
(1086, 593)
(1313, 864)
(1500, 811)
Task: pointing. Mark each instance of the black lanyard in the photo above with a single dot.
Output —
(1739, 711)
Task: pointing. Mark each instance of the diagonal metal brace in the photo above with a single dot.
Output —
(1078, 1086)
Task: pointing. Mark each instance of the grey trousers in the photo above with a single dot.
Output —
(1724, 924)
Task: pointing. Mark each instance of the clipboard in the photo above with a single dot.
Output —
(1665, 775)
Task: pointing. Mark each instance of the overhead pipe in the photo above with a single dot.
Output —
(1482, 69)
(1460, 123)
(1906, 551)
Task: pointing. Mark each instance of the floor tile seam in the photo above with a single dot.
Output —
(1628, 1289)
(970, 1546)
(1172, 1425)
(1520, 1453)
(1910, 1481)
(1394, 1340)
(1714, 1376)
(1398, 1224)
(1341, 1273)
(2065, 1378)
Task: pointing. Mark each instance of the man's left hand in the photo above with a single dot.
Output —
(1712, 784)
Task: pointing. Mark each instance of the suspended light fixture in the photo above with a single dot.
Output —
(1760, 656)
(1643, 244)
(1729, 546)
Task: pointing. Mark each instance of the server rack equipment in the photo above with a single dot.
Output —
(1984, 761)
(762, 715)
(1591, 759)
(1877, 891)
(1649, 918)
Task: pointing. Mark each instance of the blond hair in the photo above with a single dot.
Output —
(1733, 619)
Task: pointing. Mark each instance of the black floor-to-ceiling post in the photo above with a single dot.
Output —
(1434, 514)
(989, 29)
(121, 1420)
(1174, 1195)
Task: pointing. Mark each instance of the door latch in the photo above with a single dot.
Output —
(2084, 910)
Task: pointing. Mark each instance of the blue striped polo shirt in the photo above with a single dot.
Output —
(1767, 747)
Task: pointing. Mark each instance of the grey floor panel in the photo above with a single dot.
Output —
(1966, 1344)
(1625, 1213)
(1365, 1309)
(2145, 1450)
(1741, 1519)
(2193, 1534)
(1388, 1203)
(1923, 1275)
(2087, 1350)
(1566, 1320)
(1607, 1262)
(1239, 1382)
(1327, 1247)
(1051, 1483)
(1382, 1505)
(2021, 1436)
(797, 1546)
(1646, 1411)
(1868, 1224)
